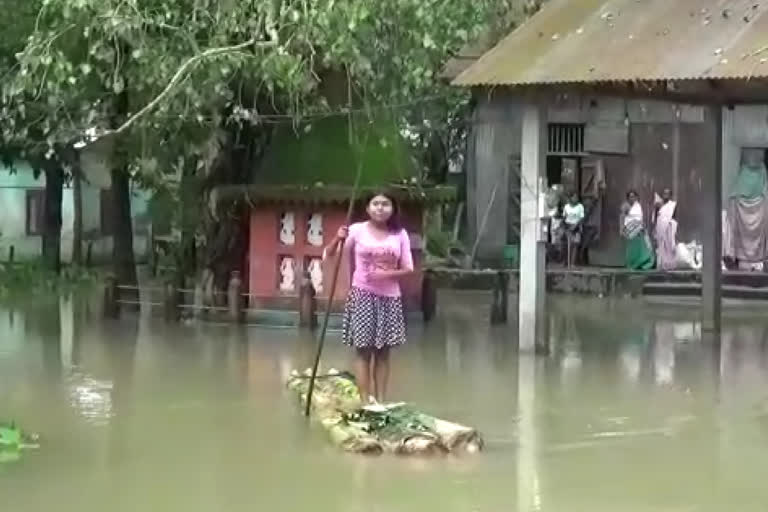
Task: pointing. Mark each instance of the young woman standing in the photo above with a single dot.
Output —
(639, 252)
(379, 253)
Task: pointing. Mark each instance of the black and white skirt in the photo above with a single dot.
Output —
(372, 321)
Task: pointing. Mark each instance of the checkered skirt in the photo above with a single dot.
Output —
(372, 321)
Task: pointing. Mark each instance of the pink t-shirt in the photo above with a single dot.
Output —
(367, 253)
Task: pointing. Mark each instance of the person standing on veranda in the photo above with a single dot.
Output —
(573, 214)
(665, 231)
(639, 253)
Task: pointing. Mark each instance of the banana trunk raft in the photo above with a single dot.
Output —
(375, 429)
(13, 441)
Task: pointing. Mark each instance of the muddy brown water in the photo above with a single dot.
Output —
(632, 411)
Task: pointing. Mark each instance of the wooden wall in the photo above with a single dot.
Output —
(669, 145)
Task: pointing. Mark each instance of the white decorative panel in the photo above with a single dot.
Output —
(287, 274)
(316, 274)
(288, 228)
(315, 230)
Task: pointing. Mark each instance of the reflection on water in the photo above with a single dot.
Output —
(90, 397)
(633, 411)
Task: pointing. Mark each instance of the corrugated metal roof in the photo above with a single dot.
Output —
(467, 56)
(456, 65)
(627, 40)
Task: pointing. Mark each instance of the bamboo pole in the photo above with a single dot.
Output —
(338, 252)
(483, 225)
(332, 292)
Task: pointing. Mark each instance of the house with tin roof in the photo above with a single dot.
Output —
(606, 96)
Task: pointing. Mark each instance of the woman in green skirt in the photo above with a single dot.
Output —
(639, 252)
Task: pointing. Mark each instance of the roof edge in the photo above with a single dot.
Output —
(331, 194)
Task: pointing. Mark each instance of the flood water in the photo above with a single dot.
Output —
(632, 411)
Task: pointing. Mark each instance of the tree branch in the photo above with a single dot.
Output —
(177, 78)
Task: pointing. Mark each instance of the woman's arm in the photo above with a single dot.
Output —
(330, 250)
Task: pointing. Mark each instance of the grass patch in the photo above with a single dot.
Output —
(32, 278)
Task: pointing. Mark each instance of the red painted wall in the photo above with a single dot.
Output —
(265, 251)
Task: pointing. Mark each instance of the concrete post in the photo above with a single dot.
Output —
(528, 476)
(711, 278)
(532, 296)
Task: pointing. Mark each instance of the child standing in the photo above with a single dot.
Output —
(379, 252)
(573, 213)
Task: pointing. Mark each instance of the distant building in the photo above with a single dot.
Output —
(299, 196)
(626, 87)
(21, 214)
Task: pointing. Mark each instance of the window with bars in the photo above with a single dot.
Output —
(565, 139)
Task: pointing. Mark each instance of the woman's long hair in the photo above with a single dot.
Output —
(394, 224)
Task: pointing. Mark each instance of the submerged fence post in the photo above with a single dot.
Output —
(11, 251)
(234, 299)
(428, 296)
(111, 291)
(500, 299)
(198, 301)
(307, 318)
(170, 302)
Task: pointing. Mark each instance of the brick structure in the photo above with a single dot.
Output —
(288, 238)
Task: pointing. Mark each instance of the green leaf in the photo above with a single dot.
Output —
(10, 436)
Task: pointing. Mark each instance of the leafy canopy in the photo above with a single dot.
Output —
(91, 64)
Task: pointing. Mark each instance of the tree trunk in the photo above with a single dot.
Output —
(189, 205)
(436, 158)
(226, 233)
(51, 243)
(122, 229)
(77, 236)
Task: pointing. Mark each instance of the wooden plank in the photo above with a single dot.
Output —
(606, 138)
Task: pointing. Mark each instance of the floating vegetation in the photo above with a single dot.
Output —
(13, 441)
(392, 428)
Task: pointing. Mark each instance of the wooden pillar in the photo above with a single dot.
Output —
(307, 317)
(676, 155)
(152, 253)
(234, 299)
(198, 300)
(532, 272)
(500, 299)
(171, 302)
(111, 306)
(428, 296)
(711, 277)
